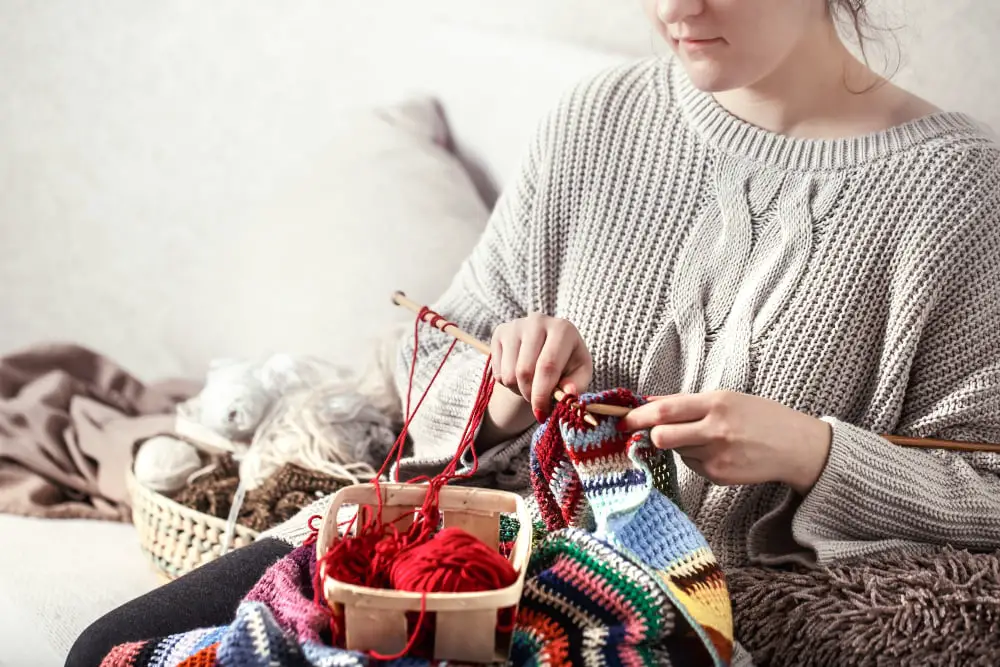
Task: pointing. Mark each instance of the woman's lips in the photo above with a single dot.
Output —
(696, 45)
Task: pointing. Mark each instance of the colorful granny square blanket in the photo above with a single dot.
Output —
(618, 574)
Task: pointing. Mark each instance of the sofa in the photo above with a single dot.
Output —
(143, 142)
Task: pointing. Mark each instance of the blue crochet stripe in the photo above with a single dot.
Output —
(642, 534)
(212, 636)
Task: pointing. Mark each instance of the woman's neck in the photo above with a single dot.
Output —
(822, 91)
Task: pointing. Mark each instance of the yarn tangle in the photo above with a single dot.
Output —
(418, 558)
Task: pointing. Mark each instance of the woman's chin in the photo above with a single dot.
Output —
(710, 76)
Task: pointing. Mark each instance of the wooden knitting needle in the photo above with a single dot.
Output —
(399, 298)
(955, 445)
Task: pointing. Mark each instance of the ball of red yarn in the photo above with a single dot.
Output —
(454, 561)
(363, 560)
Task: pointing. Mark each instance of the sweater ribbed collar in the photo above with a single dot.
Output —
(724, 131)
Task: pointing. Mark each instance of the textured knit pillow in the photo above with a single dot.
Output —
(384, 206)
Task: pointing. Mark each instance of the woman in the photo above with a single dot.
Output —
(795, 253)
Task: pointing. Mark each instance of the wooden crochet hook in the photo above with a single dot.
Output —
(400, 299)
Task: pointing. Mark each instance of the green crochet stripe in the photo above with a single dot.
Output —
(509, 527)
(641, 598)
(546, 548)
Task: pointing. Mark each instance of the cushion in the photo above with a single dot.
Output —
(383, 207)
(179, 255)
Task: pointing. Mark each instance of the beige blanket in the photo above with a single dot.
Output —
(70, 419)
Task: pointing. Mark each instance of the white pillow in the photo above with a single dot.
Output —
(383, 207)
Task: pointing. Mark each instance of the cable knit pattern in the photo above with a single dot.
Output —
(857, 280)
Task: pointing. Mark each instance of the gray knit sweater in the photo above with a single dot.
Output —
(857, 280)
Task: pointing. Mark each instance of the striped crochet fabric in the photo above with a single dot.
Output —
(635, 563)
(618, 574)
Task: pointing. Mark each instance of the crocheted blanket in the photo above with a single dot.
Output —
(618, 574)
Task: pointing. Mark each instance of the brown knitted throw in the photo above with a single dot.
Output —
(276, 500)
(940, 608)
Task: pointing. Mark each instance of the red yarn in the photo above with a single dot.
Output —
(379, 555)
(453, 562)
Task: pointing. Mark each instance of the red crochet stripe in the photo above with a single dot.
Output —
(123, 655)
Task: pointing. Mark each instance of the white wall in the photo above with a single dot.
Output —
(135, 136)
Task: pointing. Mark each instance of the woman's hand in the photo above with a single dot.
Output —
(535, 354)
(732, 438)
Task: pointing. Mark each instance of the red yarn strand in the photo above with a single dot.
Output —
(400, 442)
(451, 560)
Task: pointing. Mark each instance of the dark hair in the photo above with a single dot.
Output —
(855, 12)
(853, 16)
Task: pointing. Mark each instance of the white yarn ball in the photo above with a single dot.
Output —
(164, 464)
(233, 401)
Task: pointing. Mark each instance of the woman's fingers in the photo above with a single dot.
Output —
(675, 409)
(579, 372)
(535, 354)
(549, 371)
(511, 347)
(533, 340)
(496, 355)
(688, 439)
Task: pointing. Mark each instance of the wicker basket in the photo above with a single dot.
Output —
(178, 539)
(466, 623)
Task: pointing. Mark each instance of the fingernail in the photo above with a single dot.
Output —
(539, 417)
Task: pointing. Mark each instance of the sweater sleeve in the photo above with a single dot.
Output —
(489, 289)
(874, 495)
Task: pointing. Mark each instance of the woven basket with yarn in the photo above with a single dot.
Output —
(178, 539)
(337, 432)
